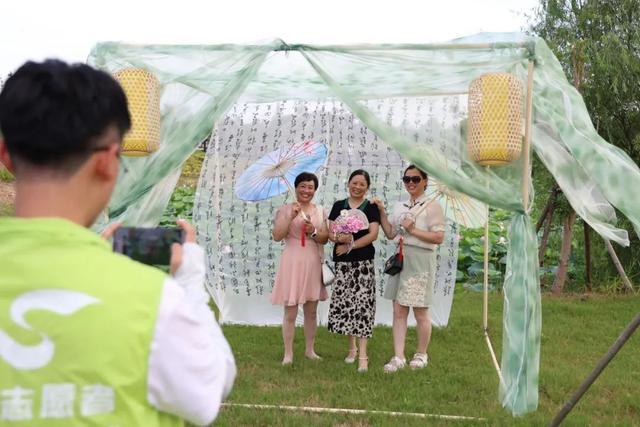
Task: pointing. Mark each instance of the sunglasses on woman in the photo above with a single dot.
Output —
(415, 179)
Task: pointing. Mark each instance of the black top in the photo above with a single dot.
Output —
(373, 215)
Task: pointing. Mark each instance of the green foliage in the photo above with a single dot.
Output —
(181, 203)
(598, 45)
(191, 169)
(459, 380)
(5, 175)
(180, 206)
(471, 252)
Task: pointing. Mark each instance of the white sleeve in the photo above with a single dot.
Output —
(191, 367)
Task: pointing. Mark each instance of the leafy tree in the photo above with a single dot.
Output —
(598, 45)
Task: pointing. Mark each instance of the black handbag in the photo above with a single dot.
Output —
(393, 265)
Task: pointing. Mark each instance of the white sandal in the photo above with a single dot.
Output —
(313, 356)
(419, 361)
(363, 364)
(351, 356)
(394, 364)
(287, 361)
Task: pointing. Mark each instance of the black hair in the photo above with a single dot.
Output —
(423, 173)
(306, 176)
(363, 173)
(52, 112)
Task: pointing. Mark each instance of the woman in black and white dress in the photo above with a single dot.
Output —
(353, 301)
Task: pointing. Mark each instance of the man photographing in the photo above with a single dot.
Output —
(88, 336)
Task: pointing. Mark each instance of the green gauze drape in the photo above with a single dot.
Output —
(201, 82)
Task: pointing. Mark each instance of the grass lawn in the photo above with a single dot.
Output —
(459, 380)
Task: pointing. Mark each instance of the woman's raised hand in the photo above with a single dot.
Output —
(408, 223)
(376, 201)
(295, 209)
(309, 228)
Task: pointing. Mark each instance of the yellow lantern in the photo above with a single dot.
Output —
(494, 135)
(143, 96)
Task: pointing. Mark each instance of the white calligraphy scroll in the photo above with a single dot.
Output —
(241, 255)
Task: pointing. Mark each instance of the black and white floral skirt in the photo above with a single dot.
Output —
(353, 301)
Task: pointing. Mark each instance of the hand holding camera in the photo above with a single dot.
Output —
(152, 246)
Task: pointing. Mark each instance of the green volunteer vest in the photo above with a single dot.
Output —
(76, 323)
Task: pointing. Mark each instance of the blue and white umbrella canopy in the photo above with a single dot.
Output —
(274, 173)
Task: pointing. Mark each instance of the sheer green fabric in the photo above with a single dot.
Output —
(198, 85)
(594, 175)
(496, 186)
(201, 82)
(522, 319)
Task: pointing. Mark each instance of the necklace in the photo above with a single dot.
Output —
(307, 210)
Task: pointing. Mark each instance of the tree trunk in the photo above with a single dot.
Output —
(551, 201)
(547, 227)
(587, 255)
(565, 252)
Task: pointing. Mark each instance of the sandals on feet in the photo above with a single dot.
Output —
(351, 356)
(394, 364)
(419, 361)
(363, 364)
(313, 356)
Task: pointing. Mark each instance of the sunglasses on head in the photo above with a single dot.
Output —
(415, 179)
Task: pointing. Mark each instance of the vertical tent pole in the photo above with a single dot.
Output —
(525, 202)
(527, 139)
(485, 291)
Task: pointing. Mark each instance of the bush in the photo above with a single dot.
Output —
(471, 252)
(5, 175)
(180, 206)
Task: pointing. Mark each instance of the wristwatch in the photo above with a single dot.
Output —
(314, 234)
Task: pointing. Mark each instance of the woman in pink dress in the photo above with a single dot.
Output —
(302, 225)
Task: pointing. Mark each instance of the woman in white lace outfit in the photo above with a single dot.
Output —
(421, 223)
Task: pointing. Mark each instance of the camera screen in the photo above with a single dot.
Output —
(150, 246)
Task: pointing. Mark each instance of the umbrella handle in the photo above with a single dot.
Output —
(304, 216)
(293, 195)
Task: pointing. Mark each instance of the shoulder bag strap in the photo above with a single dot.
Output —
(320, 211)
(422, 207)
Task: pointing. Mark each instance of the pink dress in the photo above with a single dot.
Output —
(299, 275)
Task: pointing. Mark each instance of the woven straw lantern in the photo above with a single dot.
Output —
(494, 136)
(143, 96)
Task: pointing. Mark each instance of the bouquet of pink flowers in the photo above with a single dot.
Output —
(349, 222)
